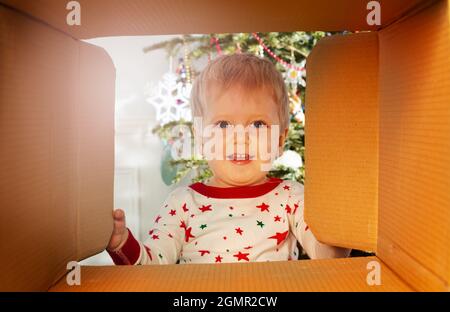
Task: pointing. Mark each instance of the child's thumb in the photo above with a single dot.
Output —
(119, 215)
(119, 232)
(119, 219)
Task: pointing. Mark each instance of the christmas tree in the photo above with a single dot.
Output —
(287, 50)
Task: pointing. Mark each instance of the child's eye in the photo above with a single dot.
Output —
(258, 124)
(223, 124)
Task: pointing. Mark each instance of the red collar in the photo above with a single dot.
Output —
(250, 191)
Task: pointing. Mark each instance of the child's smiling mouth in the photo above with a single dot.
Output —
(240, 159)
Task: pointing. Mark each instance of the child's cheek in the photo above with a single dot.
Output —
(266, 146)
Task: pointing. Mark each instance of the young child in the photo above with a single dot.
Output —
(239, 215)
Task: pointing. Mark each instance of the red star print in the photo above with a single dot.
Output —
(280, 237)
(204, 208)
(203, 252)
(184, 208)
(154, 236)
(172, 212)
(187, 234)
(187, 231)
(224, 237)
(263, 207)
(277, 219)
(239, 231)
(288, 209)
(241, 256)
(157, 219)
(219, 259)
(151, 232)
(286, 187)
(295, 208)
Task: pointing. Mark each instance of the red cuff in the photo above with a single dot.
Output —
(128, 254)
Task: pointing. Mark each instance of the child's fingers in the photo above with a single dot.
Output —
(119, 221)
(119, 215)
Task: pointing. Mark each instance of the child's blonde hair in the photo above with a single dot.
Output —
(244, 69)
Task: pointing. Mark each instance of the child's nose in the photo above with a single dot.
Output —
(241, 137)
(242, 145)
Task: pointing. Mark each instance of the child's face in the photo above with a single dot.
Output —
(248, 108)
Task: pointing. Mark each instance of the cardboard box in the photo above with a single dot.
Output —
(378, 104)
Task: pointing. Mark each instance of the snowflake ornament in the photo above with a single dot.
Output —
(296, 77)
(171, 99)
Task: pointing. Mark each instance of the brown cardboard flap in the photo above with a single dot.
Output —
(95, 149)
(38, 72)
(56, 151)
(341, 133)
(414, 196)
(305, 275)
(152, 17)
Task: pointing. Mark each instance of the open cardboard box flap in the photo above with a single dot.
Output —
(282, 276)
(102, 18)
(378, 106)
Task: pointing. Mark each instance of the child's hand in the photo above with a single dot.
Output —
(120, 232)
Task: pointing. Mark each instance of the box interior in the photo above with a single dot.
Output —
(382, 95)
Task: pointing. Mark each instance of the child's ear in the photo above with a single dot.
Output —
(283, 136)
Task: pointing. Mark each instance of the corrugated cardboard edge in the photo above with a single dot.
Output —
(345, 274)
(38, 73)
(95, 150)
(94, 170)
(414, 211)
(57, 95)
(134, 17)
(341, 183)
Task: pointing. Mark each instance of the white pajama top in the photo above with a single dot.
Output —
(207, 224)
